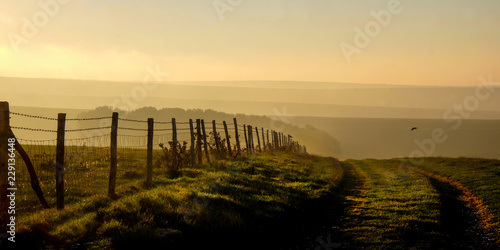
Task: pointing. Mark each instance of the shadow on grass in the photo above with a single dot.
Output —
(459, 223)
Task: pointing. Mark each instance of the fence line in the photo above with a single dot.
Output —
(89, 165)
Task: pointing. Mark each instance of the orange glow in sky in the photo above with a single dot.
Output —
(422, 43)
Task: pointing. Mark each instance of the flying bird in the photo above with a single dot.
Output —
(413, 128)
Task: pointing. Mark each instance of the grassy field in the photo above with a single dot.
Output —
(228, 202)
(286, 201)
(480, 176)
(390, 209)
(395, 204)
(86, 173)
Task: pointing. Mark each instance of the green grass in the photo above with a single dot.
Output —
(391, 209)
(481, 176)
(265, 198)
(224, 200)
(86, 173)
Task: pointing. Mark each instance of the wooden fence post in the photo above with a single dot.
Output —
(272, 140)
(267, 135)
(61, 127)
(35, 184)
(263, 140)
(258, 139)
(149, 168)
(246, 138)
(236, 134)
(198, 141)
(193, 157)
(276, 140)
(174, 141)
(205, 144)
(249, 148)
(227, 139)
(114, 155)
(4, 158)
(216, 137)
(250, 139)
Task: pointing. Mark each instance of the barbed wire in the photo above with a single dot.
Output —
(86, 129)
(132, 120)
(227, 124)
(88, 119)
(163, 122)
(34, 129)
(134, 129)
(55, 131)
(55, 119)
(34, 116)
(36, 141)
(219, 126)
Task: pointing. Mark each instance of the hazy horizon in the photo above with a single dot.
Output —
(257, 83)
(395, 59)
(390, 42)
(256, 98)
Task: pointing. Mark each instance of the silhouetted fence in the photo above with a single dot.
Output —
(123, 154)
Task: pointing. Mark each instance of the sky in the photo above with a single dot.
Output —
(385, 42)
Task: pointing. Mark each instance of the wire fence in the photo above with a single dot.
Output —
(88, 165)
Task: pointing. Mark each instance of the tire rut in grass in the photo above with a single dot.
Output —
(324, 228)
(459, 220)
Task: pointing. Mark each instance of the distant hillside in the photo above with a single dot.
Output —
(362, 138)
(317, 141)
(256, 98)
